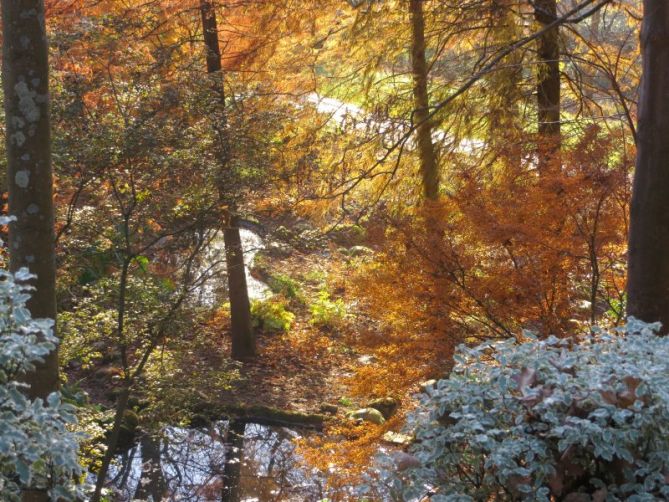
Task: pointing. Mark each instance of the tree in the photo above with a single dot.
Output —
(243, 341)
(429, 166)
(648, 261)
(31, 239)
(548, 80)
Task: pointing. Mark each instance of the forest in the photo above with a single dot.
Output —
(334, 250)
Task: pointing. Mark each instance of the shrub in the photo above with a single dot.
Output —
(546, 420)
(271, 315)
(327, 313)
(36, 449)
(284, 285)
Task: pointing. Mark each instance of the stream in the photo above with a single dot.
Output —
(211, 292)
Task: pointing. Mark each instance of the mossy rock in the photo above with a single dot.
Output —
(330, 409)
(348, 235)
(371, 415)
(274, 416)
(277, 249)
(260, 269)
(360, 251)
(284, 234)
(386, 405)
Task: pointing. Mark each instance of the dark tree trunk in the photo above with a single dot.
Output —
(25, 77)
(648, 274)
(232, 470)
(243, 340)
(429, 166)
(548, 86)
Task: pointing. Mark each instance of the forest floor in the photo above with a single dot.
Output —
(309, 368)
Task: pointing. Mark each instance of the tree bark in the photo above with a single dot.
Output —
(548, 85)
(429, 166)
(25, 75)
(648, 272)
(243, 340)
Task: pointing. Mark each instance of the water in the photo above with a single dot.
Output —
(210, 293)
(349, 116)
(259, 463)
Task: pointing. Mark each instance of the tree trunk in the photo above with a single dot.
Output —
(548, 86)
(648, 273)
(25, 77)
(429, 167)
(243, 341)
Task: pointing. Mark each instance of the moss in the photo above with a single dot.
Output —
(208, 412)
(276, 416)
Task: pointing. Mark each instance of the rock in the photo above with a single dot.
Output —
(74, 364)
(428, 385)
(260, 268)
(107, 372)
(330, 409)
(397, 438)
(360, 251)
(310, 241)
(348, 235)
(404, 461)
(276, 249)
(283, 234)
(371, 415)
(302, 226)
(366, 359)
(386, 405)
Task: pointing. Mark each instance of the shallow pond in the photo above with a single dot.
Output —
(229, 462)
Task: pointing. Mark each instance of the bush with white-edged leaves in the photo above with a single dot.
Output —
(555, 419)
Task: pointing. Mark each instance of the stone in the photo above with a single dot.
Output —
(397, 438)
(330, 409)
(282, 233)
(302, 226)
(386, 405)
(404, 461)
(348, 235)
(360, 251)
(428, 385)
(277, 249)
(368, 415)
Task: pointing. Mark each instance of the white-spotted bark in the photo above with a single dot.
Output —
(25, 75)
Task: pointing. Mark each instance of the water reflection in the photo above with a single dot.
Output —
(229, 462)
